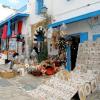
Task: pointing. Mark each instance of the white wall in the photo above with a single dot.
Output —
(33, 18)
(62, 9)
(85, 26)
(27, 22)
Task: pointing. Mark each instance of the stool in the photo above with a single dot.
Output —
(21, 71)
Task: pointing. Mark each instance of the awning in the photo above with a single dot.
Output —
(75, 19)
(13, 18)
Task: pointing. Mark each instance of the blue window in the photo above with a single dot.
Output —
(39, 6)
(83, 37)
(96, 36)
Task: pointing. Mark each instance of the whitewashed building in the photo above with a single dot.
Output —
(81, 17)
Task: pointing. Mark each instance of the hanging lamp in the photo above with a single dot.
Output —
(63, 29)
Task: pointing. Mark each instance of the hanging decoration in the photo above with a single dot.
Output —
(49, 37)
(1, 30)
(40, 34)
(13, 44)
(19, 30)
(61, 44)
(68, 58)
(3, 44)
(13, 31)
(63, 29)
(4, 34)
(9, 29)
(20, 23)
(40, 38)
(13, 34)
(55, 36)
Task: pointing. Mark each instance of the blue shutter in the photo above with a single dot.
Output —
(96, 36)
(39, 5)
(83, 37)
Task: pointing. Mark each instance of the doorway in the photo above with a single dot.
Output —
(74, 50)
(75, 39)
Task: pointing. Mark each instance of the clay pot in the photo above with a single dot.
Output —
(50, 71)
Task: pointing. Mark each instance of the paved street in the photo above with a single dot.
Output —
(15, 89)
(94, 96)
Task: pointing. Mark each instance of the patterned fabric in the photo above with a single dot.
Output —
(4, 34)
(39, 34)
(20, 23)
(9, 29)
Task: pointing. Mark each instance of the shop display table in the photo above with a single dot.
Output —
(66, 85)
(7, 74)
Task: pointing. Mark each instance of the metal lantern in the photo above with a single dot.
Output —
(44, 11)
(63, 29)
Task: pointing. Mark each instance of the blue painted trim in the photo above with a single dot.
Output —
(96, 36)
(83, 37)
(76, 19)
(13, 17)
(68, 55)
(39, 6)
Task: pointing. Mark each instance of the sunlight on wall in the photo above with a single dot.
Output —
(14, 1)
(5, 12)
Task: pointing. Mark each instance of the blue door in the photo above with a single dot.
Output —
(96, 36)
(83, 37)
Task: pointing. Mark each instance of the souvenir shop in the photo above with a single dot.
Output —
(12, 41)
(73, 34)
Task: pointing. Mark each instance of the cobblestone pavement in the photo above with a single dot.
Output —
(15, 88)
(94, 96)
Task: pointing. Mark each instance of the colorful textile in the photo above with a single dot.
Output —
(13, 34)
(4, 34)
(9, 29)
(20, 23)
